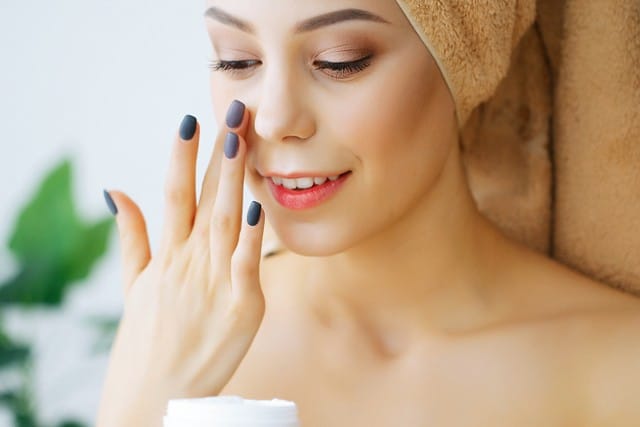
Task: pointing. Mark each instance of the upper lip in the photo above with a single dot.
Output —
(293, 175)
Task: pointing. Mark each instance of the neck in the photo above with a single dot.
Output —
(426, 271)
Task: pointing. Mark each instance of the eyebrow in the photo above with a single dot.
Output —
(307, 25)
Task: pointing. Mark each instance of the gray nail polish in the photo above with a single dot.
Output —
(231, 144)
(188, 127)
(253, 214)
(235, 114)
(110, 203)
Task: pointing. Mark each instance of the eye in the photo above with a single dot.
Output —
(233, 67)
(342, 70)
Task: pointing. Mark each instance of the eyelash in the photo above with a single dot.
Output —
(232, 66)
(342, 69)
(345, 69)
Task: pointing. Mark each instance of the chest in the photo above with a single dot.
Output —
(482, 382)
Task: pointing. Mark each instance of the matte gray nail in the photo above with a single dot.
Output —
(253, 214)
(110, 203)
(235, 114)
(188, 127)
(231, 144)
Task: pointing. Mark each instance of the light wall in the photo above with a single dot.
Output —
(106, 83)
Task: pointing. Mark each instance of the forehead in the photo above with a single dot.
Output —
(287, 15)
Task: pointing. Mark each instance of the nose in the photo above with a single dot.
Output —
(283, 112)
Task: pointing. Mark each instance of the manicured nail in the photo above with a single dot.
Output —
(110, 203)
(231, 144)
(235, 114)
(253, 214)
(188, 127)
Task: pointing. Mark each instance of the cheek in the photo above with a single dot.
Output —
(222, 95)
(392, 125)
(217, 96)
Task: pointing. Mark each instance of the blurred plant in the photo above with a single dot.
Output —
(56, 250)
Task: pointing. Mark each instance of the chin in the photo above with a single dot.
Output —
(313, 240)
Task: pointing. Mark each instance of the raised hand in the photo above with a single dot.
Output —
(192, 310)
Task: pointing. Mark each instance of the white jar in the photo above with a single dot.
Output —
(230, 411)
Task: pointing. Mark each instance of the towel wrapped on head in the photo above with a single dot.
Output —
(471, 41)
(547, 98)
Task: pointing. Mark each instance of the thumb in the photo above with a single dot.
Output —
(134, 240)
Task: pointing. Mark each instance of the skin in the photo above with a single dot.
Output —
(394, 290)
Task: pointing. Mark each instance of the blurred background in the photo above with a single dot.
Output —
(91, 95)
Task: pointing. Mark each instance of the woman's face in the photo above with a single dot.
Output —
(354, 94)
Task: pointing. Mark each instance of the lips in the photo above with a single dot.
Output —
(305, 192)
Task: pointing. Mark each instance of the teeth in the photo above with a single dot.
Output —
(319, 180)
(289, 183)
(301, 183)
(304, 183)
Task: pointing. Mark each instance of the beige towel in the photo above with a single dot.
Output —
(596, 138)
(548, 102)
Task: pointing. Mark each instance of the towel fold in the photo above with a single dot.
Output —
(548, 103)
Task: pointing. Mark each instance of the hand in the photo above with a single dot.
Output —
(192, 310)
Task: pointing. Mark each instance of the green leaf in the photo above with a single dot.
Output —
(21, 407)
(7, 397)
(71, 423)
(89, 248)
(12, 353)
(54, 247)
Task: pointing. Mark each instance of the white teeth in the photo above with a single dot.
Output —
(319, 180)
(289, 183)
(304, 183)
(301, 183)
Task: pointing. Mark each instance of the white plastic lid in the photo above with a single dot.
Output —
(231, 411)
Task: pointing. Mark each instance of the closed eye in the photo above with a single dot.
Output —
(336, 70)
(340, 70)
(232, 65)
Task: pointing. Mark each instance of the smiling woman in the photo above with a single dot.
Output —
(326, 75)
(348, 121)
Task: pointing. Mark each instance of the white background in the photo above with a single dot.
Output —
(107, 84)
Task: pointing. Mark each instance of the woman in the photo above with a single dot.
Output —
(395, 301)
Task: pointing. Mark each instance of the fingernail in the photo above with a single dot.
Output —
(253, 214)
(235, 114)
(110, 203)
(188, 127)
(231, 144)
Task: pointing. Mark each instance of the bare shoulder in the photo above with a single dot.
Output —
(610, 369)
(554, 289)
(594, 335)
(605, 350)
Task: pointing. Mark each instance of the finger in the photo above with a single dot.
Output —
(179, 187)
(212, 175)
(134, 240)
(209, 188)
(227, 209)
(245, 262)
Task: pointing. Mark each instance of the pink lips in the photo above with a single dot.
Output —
(305, 199)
